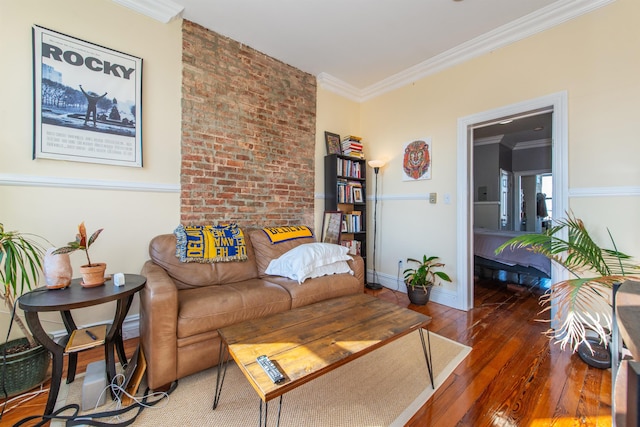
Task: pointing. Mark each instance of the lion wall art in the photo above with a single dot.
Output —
(416, 162)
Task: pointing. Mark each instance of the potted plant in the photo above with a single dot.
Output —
(92, 273)
(422, 278)
(24, 361)
(583, 301)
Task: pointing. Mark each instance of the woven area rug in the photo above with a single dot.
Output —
(383, 388)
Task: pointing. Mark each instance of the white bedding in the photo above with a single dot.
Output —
(486, 241)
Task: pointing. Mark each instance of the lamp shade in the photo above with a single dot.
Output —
(376, 163)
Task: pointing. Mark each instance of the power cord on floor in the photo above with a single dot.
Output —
(398, 282)
(23, 398)
(118, 391)
(74, 419)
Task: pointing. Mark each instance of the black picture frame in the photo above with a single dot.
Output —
(87, 101)
(332, 227)
(332, 140)
(357, 195)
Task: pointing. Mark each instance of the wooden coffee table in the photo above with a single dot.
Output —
(307, 342)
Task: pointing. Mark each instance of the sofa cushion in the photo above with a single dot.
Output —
(302, 261)
(207, 309)
(162, 251)
(338, 267)
(265, 251)
(319, 288)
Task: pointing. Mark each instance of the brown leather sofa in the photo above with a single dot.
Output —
(183, 304)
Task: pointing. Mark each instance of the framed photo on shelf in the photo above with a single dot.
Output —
(357, 195)
(344, 226)
(333, 143)
(332, 227)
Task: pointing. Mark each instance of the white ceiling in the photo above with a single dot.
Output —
(365, 47)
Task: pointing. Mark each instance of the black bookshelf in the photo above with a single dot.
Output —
(345, 186)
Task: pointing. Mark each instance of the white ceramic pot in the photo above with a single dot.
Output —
(57, 270)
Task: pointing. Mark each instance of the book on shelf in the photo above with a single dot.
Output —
(353, 245)
(351, 153)
(353, 145)
(352, 138)
(354, 221)
(84, 338)
(350, 168)
(346, 190)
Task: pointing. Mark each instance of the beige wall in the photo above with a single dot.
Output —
(594, 58)
(149, 203)
(337, 115)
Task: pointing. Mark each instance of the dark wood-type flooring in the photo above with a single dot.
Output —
(513, 376)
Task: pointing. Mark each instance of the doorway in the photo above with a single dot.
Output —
(557, 105)
(510, 156)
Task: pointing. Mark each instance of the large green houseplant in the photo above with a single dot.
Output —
(421, 278)
(21, 257)
(583, 301)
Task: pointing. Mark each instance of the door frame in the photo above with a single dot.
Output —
(559, 165)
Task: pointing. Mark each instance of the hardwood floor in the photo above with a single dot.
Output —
(512, 377)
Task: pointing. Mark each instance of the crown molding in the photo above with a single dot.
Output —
(523, 145)
(332, 84)
(536, 143)
(160, 10)
(534, 23)
(488, 140)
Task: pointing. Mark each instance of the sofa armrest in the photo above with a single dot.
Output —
(357, 265)
(158, 325)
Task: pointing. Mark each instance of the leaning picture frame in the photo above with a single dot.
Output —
(333, 143)
(331, 227)
(87, 101)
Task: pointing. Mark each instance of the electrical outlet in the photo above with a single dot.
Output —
(433, 197)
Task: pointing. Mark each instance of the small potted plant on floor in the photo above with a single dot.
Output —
(422, 278)
(23, 361)
(92, 273)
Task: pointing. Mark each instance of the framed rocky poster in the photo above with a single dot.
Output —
(87, 101)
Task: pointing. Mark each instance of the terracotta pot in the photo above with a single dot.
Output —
(93, 275)
(57, 270)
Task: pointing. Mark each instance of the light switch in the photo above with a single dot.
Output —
(433, 197)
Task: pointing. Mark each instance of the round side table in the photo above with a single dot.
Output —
(73, 297)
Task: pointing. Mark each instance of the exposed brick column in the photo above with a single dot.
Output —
(248, 134)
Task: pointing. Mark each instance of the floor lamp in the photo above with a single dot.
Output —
(376, 165)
